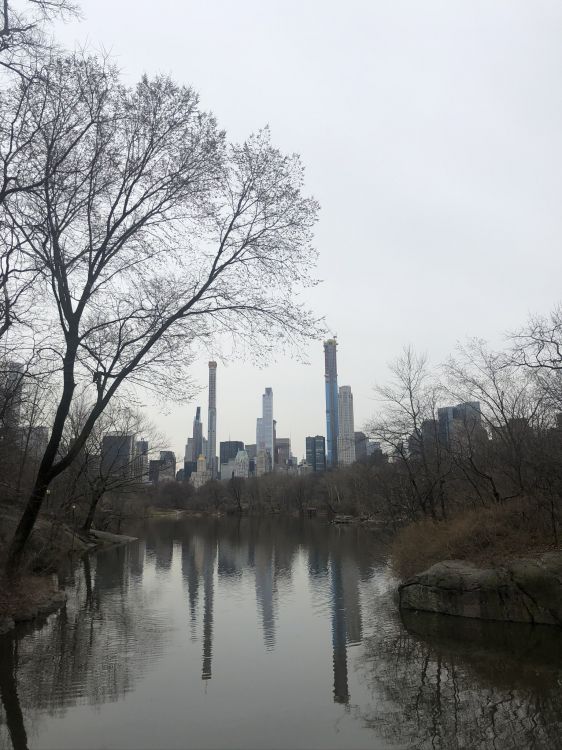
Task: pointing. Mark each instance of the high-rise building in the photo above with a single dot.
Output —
(154, 471)
(242, 465)
(197, 435)
(141, 460)
(282, 452)
(360, 446)
(251, 450)
(195, 447)
(346, 435)
(202, 475)
(212, 435)
(117, 453)
(229, 449)
(168, 468)
(459, 423)
(265, 439)
(263, 463)
(331, 378)
(316, 452)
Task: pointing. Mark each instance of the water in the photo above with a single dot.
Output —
(272, 633)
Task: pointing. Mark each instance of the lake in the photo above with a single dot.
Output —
(268, 633)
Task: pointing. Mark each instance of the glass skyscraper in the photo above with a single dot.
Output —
(331, 377)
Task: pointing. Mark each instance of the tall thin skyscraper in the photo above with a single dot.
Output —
(197, 435)
(332, 422)
(212, 441)
(346, 435)
(264, 425)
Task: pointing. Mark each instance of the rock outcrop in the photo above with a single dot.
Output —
(528, 590)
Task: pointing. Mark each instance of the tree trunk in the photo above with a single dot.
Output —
(87, 525)
(26, 524)
(46, 474)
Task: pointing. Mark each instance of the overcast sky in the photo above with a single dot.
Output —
(432, 136)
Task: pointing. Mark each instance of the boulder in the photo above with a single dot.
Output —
(527, 590)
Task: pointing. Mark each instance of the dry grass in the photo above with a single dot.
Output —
(485, 536)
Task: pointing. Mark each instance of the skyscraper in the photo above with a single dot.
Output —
(141, 460)
(346, 435)
(316, 452)
(212, 437)
(195, 446)
(264, 425)
(117, 452)
(229, 449)
(331, 378)
(197, 435)
(282, 452)
(360, 446)
(459, 422)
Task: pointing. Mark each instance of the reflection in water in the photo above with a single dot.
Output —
(455, 683)
(318, 594)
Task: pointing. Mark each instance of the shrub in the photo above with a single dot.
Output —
(485, 536)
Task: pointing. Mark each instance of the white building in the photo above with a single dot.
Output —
(202, 475)
(264, 426)
(263, 463)
(242, 465)
(346, 436)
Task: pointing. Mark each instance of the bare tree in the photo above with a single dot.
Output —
(407, 424)
(154, 235)
(22, 29)
(512, 407)
(96, 473)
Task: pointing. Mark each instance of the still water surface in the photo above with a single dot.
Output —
(271, 633)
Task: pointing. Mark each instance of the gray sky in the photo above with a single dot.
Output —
(431, 133)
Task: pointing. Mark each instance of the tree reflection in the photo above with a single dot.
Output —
(450, 682)
(93, 650)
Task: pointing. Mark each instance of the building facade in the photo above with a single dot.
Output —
(316, 452)
(117, 453)
(242, 465)
(141, 460)
(331, 386)
(202, 475)
(229, 450)
(282, 452)
(168, 461)
(460, 423)
(265, 431)
(212, 421)
(360, 446)
(346, 434)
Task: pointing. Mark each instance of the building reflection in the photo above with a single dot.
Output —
(434, 682)
(209, 556)
(339, 628)
(265, 593)
(346, 619)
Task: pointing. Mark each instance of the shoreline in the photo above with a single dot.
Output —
(31, 596)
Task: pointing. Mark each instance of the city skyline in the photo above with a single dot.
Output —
(232, 432)
(434, 151)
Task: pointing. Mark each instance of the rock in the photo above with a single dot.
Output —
(528, 590)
